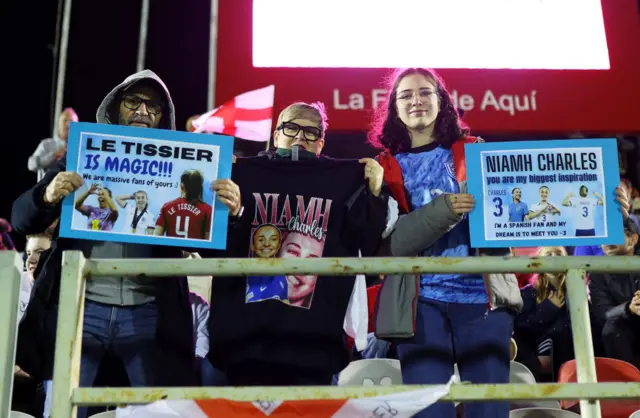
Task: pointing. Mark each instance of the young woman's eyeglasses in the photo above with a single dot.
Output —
(290, 129)
(133, 103)
(408, 96)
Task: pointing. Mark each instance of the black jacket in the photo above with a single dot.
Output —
(36, 338)
(611, 295)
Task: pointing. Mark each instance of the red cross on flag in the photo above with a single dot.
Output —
(247, 116)
(396, 405)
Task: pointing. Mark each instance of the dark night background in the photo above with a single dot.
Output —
(102, 51)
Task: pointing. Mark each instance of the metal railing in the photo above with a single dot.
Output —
(10, 271)
(67, 396)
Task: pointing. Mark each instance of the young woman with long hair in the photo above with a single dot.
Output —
(423, 138)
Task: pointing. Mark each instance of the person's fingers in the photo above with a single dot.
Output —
(226, 185)
(456, 198)
(74, 179)
(462, 206)
(228, 203)
(227, 194)
(461, 211)
(66, 186)
(62, 193)
(464, 202)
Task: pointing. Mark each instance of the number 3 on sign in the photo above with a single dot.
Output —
(498, 202)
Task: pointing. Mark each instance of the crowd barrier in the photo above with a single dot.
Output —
(67, 396)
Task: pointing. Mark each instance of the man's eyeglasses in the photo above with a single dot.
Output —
(290, 129)
(133, 103)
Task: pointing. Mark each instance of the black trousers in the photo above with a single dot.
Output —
(254, 373)
(621, 339)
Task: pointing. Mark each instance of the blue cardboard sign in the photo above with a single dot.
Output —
(544, 193)
(146, 186)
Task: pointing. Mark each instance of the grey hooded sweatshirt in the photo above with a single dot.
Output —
(117, 290)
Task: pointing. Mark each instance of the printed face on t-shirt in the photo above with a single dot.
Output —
(296, 245)
(266, 241)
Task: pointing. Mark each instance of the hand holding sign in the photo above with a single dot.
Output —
(460, 203)
(623, 199)
(374, 173)
(63, 184)
(229, 194)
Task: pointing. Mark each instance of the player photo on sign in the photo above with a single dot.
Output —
(299, 233)
(146, 186)
(544, 193)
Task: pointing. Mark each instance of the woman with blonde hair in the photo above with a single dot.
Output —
(543, 327)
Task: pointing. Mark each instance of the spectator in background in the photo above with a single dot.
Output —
(5, 239)
(635, 209)
(525, 278)
(50, 150)
(199, 284)
(189, 126)
(36, 245)
(616, 302)
(28, 393)
(209, 375)
(543, 327)
(199, 297)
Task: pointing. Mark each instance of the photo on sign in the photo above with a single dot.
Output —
(543, 205)
(299, 232)
(554, 194)
(145, 189)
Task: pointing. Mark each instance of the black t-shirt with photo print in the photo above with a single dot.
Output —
(293, 209)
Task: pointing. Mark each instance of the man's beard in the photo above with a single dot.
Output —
(140, 119)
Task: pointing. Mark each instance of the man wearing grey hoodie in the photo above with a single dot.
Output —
(144, 322)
